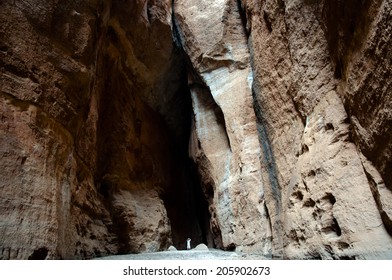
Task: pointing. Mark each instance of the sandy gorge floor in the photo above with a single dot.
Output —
(211, 254)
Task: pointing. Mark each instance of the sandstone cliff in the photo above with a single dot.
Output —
(261, 126)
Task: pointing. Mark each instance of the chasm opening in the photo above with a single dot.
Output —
(185, 201)
(143, 137)
(144, 175)
(187, 209)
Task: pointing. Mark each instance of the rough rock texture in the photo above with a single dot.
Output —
(132, 168)
(261, 126)
(366, 92)
(92, 121)
(224, 141)
(49, 205)
(328, 213)
(303, 53)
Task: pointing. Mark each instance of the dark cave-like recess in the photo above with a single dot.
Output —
(129, 127)
(185, 201)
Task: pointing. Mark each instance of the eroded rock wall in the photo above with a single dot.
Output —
(49, 206)
(308, 57)
(92, 121)
(224, 143)
(133, 145)
(283, 106)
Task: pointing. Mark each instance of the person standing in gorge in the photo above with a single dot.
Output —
(188, 244)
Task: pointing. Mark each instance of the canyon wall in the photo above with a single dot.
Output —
(49, 205)
(86, 154)
(318, 67)
(262, 126)
(224, 141)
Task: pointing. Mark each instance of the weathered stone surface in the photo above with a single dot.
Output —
(283, 106)
(224, 141)
(366, 82)
(88, 107)
(143, 220)
(280, 125)
(302, 50)
(49, 205)
(325, 217)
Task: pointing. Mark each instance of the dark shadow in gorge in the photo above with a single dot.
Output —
(143, 148)
(185, 201)
(187, 208)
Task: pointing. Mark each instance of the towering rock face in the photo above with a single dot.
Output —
(224, 141)
(92, 121)
(261, 126)
(315, 63)
(49, 206)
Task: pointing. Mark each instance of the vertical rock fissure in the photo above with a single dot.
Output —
(196, 199)
(268, 161)
(242, 13)
(176, 29)
(380, 193)
(224, 143)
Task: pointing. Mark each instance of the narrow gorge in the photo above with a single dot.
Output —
(255, 126)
